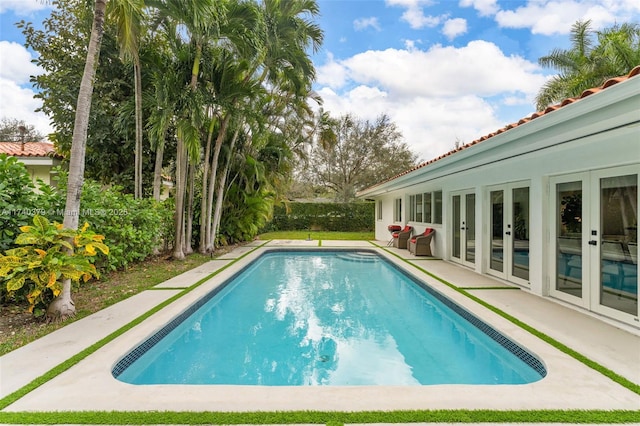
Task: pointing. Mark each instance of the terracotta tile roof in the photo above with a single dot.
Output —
(610, 82)
(31, 149)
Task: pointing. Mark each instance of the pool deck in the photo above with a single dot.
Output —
(569, 384)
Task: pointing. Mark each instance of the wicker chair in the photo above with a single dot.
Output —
(400, 238)
(420, 245)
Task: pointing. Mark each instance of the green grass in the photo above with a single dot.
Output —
(317, 235)
(332, 418)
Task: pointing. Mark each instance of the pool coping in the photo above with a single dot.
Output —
(569, 385)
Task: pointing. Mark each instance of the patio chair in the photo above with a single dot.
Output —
(420, 245)
(400, 238)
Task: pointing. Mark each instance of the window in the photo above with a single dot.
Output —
(437, 207)
(412, 208)
(379, 205)
(419, 208)
(427, 207)
(397, 211)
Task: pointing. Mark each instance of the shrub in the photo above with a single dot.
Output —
(48, 254)
(132, 227)
(344, 217)
(17, 199)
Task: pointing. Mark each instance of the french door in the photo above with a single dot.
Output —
(463, 244)
(594, 255)
(509, 227)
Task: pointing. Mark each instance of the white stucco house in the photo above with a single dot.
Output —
(549, 203)
(38, 157)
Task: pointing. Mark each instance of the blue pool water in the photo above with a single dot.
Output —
(326, 318)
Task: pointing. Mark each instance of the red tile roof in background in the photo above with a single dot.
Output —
(31, 149)
(612, 81)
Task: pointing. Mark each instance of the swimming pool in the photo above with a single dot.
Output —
(326, 318)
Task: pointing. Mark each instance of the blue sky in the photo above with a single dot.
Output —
(443, 70)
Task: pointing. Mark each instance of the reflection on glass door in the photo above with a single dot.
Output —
(569, 238)
(463, 219)
(619, 243)
(496, 261)
(470, 228)
(455, 248)
(520, 244)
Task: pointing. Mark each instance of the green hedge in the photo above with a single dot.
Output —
(343, 217)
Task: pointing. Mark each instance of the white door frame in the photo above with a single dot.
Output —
(590, 243)
(508, 228)
(461, 228)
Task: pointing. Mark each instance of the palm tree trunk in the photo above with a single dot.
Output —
(188, 249)
(178, 252)
(202, 248)
(212, 181)
(217, 215)
(138, 113)
(62, 306)
(181, 168)
(157, 171)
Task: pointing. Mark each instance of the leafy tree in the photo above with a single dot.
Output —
(364, 153)
(62, 47)
(594, 57)
(14, 130)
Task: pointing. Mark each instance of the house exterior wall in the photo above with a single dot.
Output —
(598, 134)
(39, 172)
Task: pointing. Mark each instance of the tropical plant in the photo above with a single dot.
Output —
(128, 17)
(594, 57)
(50, 254)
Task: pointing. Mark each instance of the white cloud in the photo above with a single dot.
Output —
(19, 67)
(332, 73)
(17, 95)
(480, 68)
(435, 96)
(452, 28)
(414, 13)
(364, 23)
(19, 103)
(549, 17)
(485, 7)
(23, 7)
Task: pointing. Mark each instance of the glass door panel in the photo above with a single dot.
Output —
(520, 245)
(455, 248)
(569, 238)
(619, 243)
(496, 261)
(470, 228)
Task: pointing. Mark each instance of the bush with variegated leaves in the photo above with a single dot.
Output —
(47, 253)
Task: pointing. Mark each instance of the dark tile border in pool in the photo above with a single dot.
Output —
(501, 339)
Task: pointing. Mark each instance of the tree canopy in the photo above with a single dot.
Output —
(355, 153)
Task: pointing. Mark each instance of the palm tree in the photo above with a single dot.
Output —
(62, 306)
(286, 35)
(196, 20)
(128, 17)
(585, 64)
